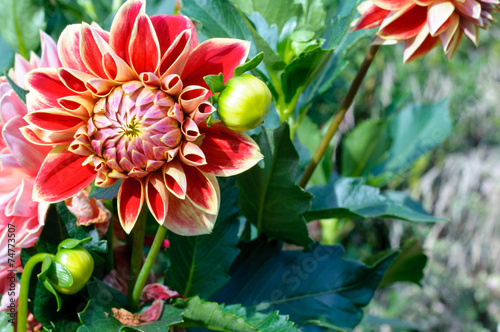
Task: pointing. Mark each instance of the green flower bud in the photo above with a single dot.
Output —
(244, 103)
(80, 264)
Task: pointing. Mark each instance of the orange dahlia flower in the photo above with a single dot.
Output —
(131, 104)
(421, 23)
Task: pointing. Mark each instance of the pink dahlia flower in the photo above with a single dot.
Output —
(21, 218)
(131, 104)
(421, 23)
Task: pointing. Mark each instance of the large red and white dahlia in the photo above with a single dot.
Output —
(131, 104)
(421, 23)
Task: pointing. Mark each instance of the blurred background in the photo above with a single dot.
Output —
(460, 180)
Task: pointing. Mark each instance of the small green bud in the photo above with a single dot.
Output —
(80, 264)
(244, 103)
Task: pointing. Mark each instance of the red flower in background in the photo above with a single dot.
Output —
(21, 218)
(131, 104)
(421, 23)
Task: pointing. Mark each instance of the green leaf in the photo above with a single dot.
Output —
(274, 12)
(6, 322)
(20, 92)
(270, 322)
(249, 65)
(97, 315)
(415, 130)
(312, 16)
(59, 275)
(339, 24)
(22, 21)
(341, 42)
(192, 256)
(72, 243)
(54, 273)
(352, 198)
(105, 193)
(309, 286)
(218, 18)
(268, 195)
(364, 148)
(407, 267)
(382, 149)
(51, 289)
(215, 83)
(302, 70)
(272, 60)
(47, 261)
(231, 318)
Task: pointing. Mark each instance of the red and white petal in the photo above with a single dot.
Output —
(469, 8)
(157, 196)
(424, 2)
(175, 179)
(144, 48)
(54, 120)
(100, 87)
(184, 218)
(418, 46)
(27, 155)
(204, 110)
(202, 190)
(62, 175)
(449, 37)
(191, 97)
(43, 137)
(130, 201)
(121, 28)
(46, 87)
(470, 30)
(438, 14)
(78, 105)
(372, 17)
(190, 129)
(191, 154)
(68, 48)
(403, 24)
(174, 59)
(91, 53)
(227, 152)
(73, 79)
(168, 27)
(172, 84)
(392, 4)
(214, 56)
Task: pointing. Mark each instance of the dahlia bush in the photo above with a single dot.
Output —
(181, 175)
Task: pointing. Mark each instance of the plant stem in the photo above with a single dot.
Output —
(346, 104)
(146, 268)
(110, 257)
(22, 313)
(138, 234)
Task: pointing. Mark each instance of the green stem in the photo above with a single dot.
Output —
(110, 257)
(138, 234)
(146, 268)
(22, 313)
(346, 104)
